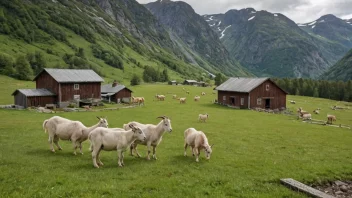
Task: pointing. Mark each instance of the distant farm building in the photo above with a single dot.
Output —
(116, 93)
(173, 82)
(66, 85)
(190, 82)
(251, 92)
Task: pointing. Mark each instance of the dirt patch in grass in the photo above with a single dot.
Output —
(339, 189)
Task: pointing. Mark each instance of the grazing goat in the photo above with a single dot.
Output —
(160, 97)
(293, 102)
(203, 117)
(196, 98)
(174, 96)
(111, 139)
(182, 100)
(316, 111)
(153, 133)
(138, 100)
(307, 116)
(203, 93)
(197, 141)
(302, 112)
(64, 129)
(187, 92)
(331, 118)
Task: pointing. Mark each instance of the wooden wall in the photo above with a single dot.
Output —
(275, 94)
(237, 97)
(47, 82)
(124, 93)
(33, 101)
(86, 90)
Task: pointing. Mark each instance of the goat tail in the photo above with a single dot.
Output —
(44, 126)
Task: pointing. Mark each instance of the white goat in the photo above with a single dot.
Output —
(182, 100)
(153, 133)
(196, 98)
(111, 139)
(197, 141)
(203, 117)
(307, 116)
(203, 93)
(64, 129)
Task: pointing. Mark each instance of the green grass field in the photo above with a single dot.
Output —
(252, 151)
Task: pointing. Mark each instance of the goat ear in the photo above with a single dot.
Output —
(98, 117)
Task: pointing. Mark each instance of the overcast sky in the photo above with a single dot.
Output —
(300, 11)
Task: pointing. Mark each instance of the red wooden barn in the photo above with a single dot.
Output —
(249, 93)
(65, 84)
(116, 93)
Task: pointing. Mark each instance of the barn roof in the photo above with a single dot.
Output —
(191, 81)
(72, 75)
(34, 92)
(244, 85)
(108, 88)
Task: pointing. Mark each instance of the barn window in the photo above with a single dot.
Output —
(224, 98)
(267, 87)
(259, 101)
(76, 86)
(242, 101)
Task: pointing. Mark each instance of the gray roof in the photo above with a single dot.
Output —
(108, 88)
(72, 75)
(34, 92)
(244, 85)
(190, 81)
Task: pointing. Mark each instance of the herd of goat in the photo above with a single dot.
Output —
(120, 139)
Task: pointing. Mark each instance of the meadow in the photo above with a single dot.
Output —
(251, 152)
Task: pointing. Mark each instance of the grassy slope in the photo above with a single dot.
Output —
(252, 151)
(342, 70)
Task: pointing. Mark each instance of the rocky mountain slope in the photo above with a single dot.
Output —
(332, 28)
(342, 70)
(200, 44)
(270, 44)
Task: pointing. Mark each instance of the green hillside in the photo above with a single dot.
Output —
(115, 38)
(342, 70)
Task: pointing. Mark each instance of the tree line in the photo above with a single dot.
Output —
(335, 90)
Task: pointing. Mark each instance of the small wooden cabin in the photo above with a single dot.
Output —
(190, 82)
(33, 97)
(116, 93)
(249, 93)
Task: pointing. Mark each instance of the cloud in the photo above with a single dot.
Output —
(298, 10)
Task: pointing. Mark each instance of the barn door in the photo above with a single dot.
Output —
(267, 103)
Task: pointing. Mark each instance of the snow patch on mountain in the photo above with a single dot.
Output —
(251, 18)
(223, 32)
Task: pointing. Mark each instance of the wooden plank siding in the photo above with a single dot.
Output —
(225, 97)
(48, 82)
(275, 94)
(124, 93)
(86, 90)
(33, 101)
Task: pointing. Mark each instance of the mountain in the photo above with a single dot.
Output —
(270, 44)
(342, 70)
(332, 28)
(116, 38)
(199, 42)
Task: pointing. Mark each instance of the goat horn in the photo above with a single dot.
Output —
(131, 126)
(98, 117)
(163, 117)
(212, 146)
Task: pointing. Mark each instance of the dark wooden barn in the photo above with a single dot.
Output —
(116, 93)
(190, 82)
(70, 84)
(249, 93)
(33, 97)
